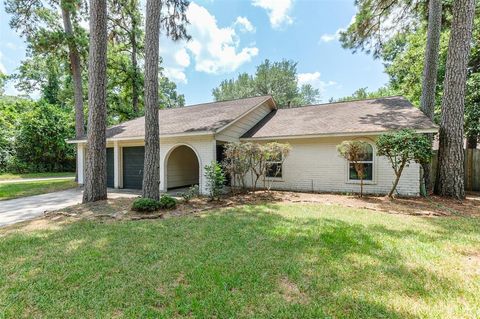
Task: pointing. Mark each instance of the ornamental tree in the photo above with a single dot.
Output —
(355, 152)
(402, 148)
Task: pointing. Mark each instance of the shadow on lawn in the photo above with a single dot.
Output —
(226, 264)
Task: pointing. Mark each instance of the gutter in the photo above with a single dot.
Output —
(339, 134)
(142, 138)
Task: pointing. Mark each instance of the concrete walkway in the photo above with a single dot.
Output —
(21, 180)
(20, 209)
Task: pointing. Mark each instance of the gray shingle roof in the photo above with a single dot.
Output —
(374, 115)
(200, 118)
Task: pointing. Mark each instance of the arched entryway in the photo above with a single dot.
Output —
(182, 167)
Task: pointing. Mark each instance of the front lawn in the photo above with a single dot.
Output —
(22, 189)
(10, 176)
(264, 261)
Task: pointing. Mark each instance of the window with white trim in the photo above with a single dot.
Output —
(367, 161)
(274, 167)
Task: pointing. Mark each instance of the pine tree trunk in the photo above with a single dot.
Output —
(96, 168)
(76, 72)
(450, 172)
(135, 70)
(427, 101)
(151, 172)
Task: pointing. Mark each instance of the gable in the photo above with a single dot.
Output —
(236, 129)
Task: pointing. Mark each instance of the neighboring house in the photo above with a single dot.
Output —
(193, 136)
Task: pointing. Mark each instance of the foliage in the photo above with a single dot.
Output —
(402, 48)
(40, 140)
(215, 179)
(377, 20)
(167, 202)
(191, 193)
(244, 158)
(145, 205)
(279, 79)
(355, 152)
(363, 94)
(401, 148)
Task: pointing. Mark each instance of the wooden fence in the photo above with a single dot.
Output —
(472, 169)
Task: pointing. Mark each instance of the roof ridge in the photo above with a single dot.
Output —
(339, 102)
(223, 101)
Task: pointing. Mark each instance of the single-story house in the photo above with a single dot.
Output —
(193, 136)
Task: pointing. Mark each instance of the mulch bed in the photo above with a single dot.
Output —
(119, 209)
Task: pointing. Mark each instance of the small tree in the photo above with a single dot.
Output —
(274, 152)
(215, 179)
(355, 152)
(237, 163)
(401, 148)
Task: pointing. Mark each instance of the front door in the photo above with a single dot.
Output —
(133, 167)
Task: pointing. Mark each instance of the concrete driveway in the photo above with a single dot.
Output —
(20, 209)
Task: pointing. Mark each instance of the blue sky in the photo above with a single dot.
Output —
(230, 37)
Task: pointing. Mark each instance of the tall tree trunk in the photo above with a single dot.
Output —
(427, 101)
(76, 71)
(76, 74)
(151, 172)
(96, 168)
(450, 172)
(135, 90)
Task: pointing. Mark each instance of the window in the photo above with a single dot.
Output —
(274, 167)
(367, 161)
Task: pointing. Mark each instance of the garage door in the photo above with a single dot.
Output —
(110, 167)
(133, 167)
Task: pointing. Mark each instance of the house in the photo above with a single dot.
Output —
(193, 136)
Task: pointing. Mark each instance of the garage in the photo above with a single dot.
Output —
(110, 168)
(133, 167)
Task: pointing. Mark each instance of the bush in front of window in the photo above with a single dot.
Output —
(402, 148)
(357, 153)
(254, 161)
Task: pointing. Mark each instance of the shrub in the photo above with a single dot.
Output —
(402, 148)
(190, 193)
(145, 205)
(354, 151)
(215, 179)
(167, 202)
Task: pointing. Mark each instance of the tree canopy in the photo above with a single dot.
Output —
(279, 79)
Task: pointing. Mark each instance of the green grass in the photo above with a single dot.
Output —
(22, 189)
(265, 261)
(9, 176)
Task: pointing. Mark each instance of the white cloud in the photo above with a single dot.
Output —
(3, 69)
(278, 11)
(182, 58)
(314, 79)
(212, 49)
(329, 37)
(245, 24)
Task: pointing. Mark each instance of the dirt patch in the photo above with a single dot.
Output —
(431, 206)
(119, 208)
(291, 293)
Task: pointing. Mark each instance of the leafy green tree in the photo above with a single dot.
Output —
(40, 140)
(52, 29)
(355, 152)
(363, 93)
(279, 79)
(402, 148)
